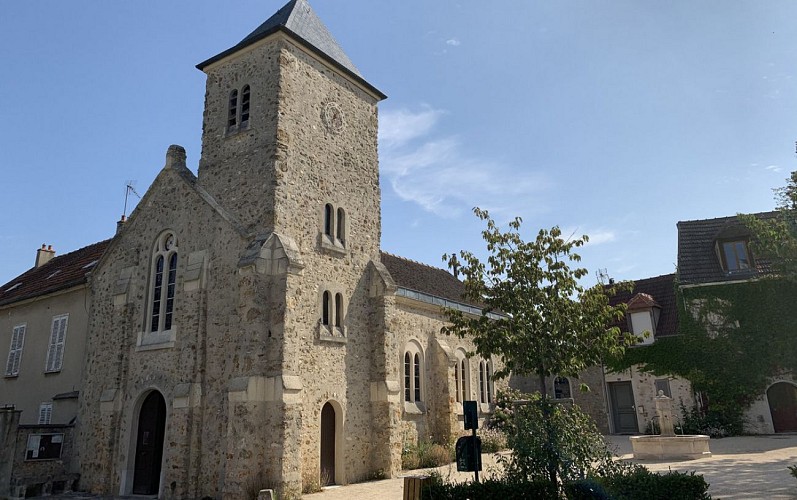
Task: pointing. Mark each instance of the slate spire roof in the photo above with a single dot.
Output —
(299, 20)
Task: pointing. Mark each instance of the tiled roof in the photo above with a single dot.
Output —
(61, 272)
(662, 290)
(697, 257)
(423, 278)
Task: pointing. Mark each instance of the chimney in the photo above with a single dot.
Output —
(44, 254)
(120, 223)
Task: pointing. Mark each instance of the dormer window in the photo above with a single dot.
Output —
(735, 255)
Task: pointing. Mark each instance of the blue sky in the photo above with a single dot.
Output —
(611, 118)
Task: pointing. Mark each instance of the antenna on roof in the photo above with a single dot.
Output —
(129, 189)
(603, 276)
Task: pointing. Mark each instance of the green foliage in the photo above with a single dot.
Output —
(548, 324)
(733, 338)
(425, 454)
(566, 439)
(714, 423)
(630, 483)
(641, 484)
(793, 469)
(489, 488)
(776, 239)
(493, 440)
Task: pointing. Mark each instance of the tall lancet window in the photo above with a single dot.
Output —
(164, 283)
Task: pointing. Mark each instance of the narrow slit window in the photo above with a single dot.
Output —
(463, 378)
(156, 294)
(232, 115)
(325, 308)
(245, 105)
(170, 291)
(417, 368)
(339, 310)
(328, 214)
(341, 229)
(407, 377)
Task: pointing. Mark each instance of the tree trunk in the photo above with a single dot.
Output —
(549, 438)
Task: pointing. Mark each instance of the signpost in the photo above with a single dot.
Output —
(469, 448)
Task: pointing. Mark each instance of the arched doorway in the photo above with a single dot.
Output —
(149, 445)
(782, 398)
(327, 445)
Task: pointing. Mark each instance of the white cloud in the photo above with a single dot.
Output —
(440, 177)
(597, 236)
(774, 168)
(397, 128)
(453, 42)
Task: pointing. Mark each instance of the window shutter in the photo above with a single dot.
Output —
(45, 413)
(15, 350)
(55, 351)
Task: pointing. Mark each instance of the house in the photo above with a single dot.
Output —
(716, 261)
(246, 329)
(43, 323)
(651, 315)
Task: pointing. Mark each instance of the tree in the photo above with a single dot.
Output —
(775, 239)
(545, 322)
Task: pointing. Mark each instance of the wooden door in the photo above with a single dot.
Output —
(623, 408)
(149, 445)
(783, 406)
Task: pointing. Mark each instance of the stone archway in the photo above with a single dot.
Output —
(149, 445)
(328, 444)
(782, 397)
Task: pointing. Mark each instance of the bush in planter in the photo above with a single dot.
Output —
(438, 489)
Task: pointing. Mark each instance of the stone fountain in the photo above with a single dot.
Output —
(667, 445)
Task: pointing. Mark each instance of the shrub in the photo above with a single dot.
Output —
(716, 422)
(638, 483)
(425, 454)
(493, 440)
(793, 469)
(567, 440)
(489, 488)
(435, 456)
(585, 489)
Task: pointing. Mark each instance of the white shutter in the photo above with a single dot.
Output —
(15, 350)
(55, 350)
(45, 413)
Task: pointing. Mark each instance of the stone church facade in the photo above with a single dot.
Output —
(246, 329)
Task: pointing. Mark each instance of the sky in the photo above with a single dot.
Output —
(614, 119)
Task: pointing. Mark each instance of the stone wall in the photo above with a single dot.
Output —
(37, 476)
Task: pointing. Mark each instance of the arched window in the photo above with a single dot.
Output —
(413, 373)
(341, 229)
(462, 376)
(485, 382)
(561, 388)
(339, 310)
(417, 381)
(232, 113)
(407, 377)
(328, 215)
(245, 106)
(164, 281)
(326, 308)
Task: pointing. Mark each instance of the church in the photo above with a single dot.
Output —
(246, 329)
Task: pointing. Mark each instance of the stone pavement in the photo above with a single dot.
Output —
(747, 467)
(740, 468)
